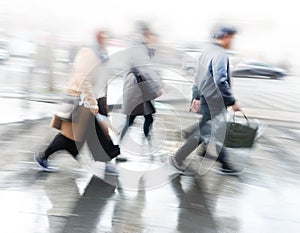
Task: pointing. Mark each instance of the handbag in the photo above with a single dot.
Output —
(240, 135)
(99, 142)
(98, 138)
(105, 124)
(64, 111)
(56, 122)
(149, 83)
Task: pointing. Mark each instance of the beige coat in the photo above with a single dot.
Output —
(80, 85)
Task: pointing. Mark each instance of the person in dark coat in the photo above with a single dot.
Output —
(134, 105)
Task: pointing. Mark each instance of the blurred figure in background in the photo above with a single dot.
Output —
(100, 46)
(212, 78)
(136, 76)
(143, 34)
(75, 116)
(134, 104)
(44, 58)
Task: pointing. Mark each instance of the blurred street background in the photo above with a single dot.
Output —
(38, 43)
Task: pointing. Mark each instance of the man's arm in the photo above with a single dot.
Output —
(196, 92)
(196, 103)
(86, 60)
(220, 73)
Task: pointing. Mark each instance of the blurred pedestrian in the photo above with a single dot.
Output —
(76, 115)
(133, 95)
(212, 95)
(133, 101)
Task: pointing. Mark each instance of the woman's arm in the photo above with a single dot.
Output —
(82, 81)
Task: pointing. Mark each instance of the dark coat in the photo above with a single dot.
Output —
(138, 94)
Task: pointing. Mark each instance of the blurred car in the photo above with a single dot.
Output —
(258, 69)
(19, 47)
(190, 59)
(4, 54)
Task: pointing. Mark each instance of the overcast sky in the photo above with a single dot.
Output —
(267, 28)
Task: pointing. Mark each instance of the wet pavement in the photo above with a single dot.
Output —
(148, 196)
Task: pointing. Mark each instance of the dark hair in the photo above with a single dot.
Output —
(223, 31)
(141, 26)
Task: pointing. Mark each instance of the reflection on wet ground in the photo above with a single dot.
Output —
(148, 196)
(262, 199)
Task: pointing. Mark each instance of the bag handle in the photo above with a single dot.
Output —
(137, 74)
(243, 115)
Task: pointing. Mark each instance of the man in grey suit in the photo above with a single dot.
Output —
(211, 95)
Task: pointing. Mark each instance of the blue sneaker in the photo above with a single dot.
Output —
(43, 163)
(121, 159)
(111, 170)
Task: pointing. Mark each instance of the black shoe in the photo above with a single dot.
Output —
(226, 169)
(148, 139)
(121, 159)
(76, 157)
(201, 152)
(110, 169)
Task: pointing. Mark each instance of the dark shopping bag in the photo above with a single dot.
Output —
(240, 135)
(100, 144)
(98, 139)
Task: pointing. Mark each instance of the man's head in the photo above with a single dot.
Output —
(223, 35)
(142, 29)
